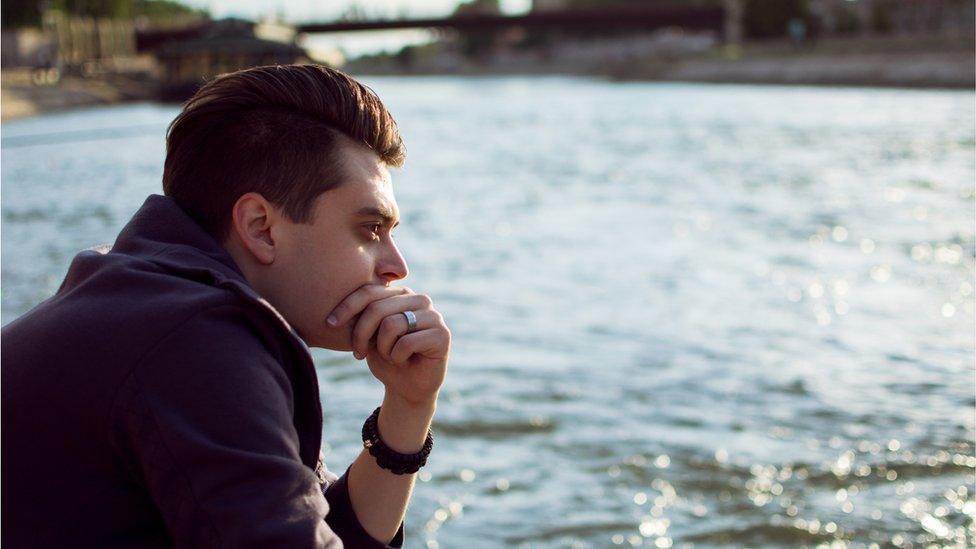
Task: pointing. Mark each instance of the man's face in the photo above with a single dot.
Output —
(349, 244)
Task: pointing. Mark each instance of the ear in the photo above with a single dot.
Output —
(251, 220)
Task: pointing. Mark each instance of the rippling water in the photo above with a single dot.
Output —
(684, 315)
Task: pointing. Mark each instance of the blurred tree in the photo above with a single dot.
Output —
(20, 13)
(770, 18)
(164, 8)
(407, 56)
(27, 13)
(94, 8)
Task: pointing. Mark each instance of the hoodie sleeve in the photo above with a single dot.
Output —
(342, 519)
(204, 424)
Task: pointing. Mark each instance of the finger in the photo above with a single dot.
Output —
(374, 313)
(355, 302)
(432, 342)
(395, 325)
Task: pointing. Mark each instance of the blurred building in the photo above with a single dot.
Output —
(224, 45)
(69, 42)
(895, 16)
(586, 48)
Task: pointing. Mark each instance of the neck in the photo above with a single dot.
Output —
(245, 263)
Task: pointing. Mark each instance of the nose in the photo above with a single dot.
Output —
(392, 266)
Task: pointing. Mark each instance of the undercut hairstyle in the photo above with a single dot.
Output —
(274, 130)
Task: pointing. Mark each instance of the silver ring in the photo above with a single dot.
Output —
(411, 321)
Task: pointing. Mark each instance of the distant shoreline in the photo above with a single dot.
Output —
(900, 62)
(696, 74)
(921, 70)
(954, 69)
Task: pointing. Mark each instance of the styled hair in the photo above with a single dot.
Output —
(274, 130)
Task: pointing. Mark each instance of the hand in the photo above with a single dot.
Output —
(411, 366)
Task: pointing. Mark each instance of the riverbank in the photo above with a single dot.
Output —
(908, 70)
(909, 61)
(25, 93)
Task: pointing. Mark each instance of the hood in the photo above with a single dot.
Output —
(162, 233)
(162, 240)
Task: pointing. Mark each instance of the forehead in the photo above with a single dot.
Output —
(366, 181)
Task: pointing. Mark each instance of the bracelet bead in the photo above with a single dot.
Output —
(386, 457)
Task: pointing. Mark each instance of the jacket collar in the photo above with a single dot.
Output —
(162, 233)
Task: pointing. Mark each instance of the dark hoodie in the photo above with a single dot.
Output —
(156, 400)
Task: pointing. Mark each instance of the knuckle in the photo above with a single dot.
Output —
(388, 322)
(371, 308)
(425, 300)
(401, 356)
(400, 347)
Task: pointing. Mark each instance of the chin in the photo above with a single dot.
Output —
(334, 340)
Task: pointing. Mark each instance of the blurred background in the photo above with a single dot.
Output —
(709, 264)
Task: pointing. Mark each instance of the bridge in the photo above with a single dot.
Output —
(644, 18)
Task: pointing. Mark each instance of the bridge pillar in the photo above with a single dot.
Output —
(732, 29)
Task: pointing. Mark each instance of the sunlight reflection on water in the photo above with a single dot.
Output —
(684, 315)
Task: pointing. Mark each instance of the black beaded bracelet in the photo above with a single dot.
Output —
(386, 457)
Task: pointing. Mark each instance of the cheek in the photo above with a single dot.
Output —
(310, 279)
(352, 265)
(336, 275)
(329, 269)
(325, 281)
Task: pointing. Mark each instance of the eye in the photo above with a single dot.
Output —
(374, 229)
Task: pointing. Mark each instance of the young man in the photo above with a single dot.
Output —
(166, 396)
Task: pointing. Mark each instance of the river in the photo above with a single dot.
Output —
(683, 315)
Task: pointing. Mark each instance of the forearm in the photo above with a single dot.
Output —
(379, 498)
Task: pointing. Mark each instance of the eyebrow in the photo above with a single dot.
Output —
(383, 213)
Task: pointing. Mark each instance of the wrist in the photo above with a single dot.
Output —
(411, 407)
(403, 425)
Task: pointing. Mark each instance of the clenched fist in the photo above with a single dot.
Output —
(410, 364)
